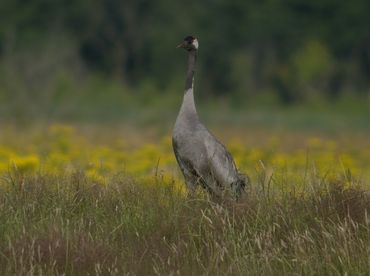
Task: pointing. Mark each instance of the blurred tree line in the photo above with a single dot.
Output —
(292, 50)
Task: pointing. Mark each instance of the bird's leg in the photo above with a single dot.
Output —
(191, 193)
(191, 188)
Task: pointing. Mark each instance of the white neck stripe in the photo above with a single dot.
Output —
(195, 43)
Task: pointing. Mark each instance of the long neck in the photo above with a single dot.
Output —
(188, 109)
(192, 58)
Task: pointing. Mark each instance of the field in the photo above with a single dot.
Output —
(107, 200)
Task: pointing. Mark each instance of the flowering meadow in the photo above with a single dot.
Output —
(94, 200)
(61, 149)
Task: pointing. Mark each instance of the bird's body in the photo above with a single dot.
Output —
(202, 158)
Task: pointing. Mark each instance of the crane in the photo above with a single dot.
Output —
(203, 160)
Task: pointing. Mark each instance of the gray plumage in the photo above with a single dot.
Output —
(203, 160)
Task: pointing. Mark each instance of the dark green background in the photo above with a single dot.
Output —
(92, 59)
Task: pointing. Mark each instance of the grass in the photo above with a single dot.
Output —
(66, 224)
(75, 205)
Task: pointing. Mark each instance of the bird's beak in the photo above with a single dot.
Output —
(181, 45)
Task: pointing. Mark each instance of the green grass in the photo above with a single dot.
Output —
(66, 224)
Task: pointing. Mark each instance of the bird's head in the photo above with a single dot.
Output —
(190, 43)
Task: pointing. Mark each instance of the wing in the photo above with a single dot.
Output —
(223, 168)
(221, 162)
